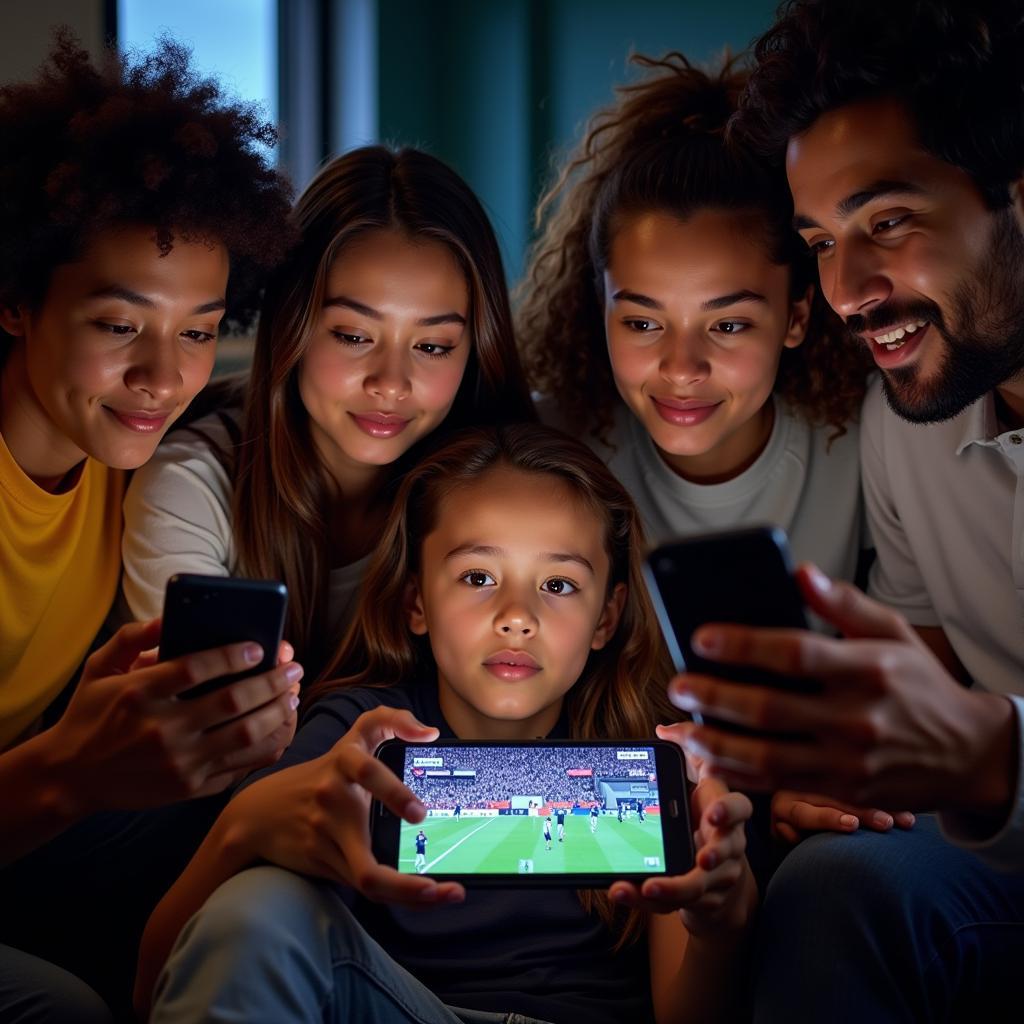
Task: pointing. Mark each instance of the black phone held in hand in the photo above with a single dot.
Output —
(741, 576)
(203, 612)
(540, 813)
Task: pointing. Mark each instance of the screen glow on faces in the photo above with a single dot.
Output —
(696, 318)
(512, 592)
(908, 253)
(488, 810)
(123, 340)
(388, 352)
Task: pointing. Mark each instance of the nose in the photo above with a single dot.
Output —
(854, 280)
(683, 359)
(155, 370)
(515, 619)
(388, 379)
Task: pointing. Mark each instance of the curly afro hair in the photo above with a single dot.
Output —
(137, 139)
(955, 64)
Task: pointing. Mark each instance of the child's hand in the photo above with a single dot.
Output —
(313, 818)
(719, 892)
(796, 814)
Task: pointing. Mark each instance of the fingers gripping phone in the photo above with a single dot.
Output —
(203, 612)
(548, 813)
(743, 576)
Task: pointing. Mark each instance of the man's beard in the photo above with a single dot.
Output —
(984, 344)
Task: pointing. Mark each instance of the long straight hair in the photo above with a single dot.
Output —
(283, 495)
(622, 693)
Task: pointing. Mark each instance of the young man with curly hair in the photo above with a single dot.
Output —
(902, 131)
(137, 210)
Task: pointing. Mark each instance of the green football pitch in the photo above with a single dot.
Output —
(499, 844)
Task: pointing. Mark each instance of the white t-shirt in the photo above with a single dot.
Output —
(799, 482)
(177, 518)
(946, 506)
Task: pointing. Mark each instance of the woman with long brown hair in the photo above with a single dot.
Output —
(389, 321)
(504, 603)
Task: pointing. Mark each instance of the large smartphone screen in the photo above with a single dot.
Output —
(552, 810)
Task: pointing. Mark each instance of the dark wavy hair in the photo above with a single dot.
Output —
(663, 147)
(134, 140)
(957, 65)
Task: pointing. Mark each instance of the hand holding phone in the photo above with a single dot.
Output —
(743, 576)
(314, 817)
(203, 613)
(551, 813)
(126, 742)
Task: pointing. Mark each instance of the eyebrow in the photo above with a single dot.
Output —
(344, 302)
(884, 188)
(116, 291)
(743, 295)
(488, 551)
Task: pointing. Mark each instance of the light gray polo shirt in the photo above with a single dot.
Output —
(945, 505)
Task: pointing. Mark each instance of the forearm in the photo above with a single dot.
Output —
(707, 985)
(998, 836)
(37, 797)
(222, 854)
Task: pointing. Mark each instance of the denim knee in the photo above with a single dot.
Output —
(34, 991)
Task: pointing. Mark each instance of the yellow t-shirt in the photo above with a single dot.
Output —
(60, 558)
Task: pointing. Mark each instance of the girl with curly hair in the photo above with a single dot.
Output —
(669, 317)
(137, 210)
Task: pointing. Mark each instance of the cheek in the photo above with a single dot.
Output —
(749, 371)
(437, 385)
(631, 364)
(196, 371)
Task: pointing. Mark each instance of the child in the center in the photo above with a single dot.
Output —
(510, 546)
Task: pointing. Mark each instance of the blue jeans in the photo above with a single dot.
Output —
(898, 926)
(33, 991)
(272, 946)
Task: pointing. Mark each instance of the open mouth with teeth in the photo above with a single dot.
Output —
(899, 336)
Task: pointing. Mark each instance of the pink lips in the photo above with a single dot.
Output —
(512, 666)
(378, 424)
(685, 412)
(139, 420)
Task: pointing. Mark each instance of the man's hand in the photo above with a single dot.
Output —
(891, 727)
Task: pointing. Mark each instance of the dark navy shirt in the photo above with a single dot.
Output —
(529, 951)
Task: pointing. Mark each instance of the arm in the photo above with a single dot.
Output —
(312, 818)
(126, 741)
(701, 920)
(891, 727)
(177, 518)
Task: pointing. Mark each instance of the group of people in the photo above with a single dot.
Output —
(782, 290)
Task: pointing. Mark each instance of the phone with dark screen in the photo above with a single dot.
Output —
(740, 576)
(203, 612)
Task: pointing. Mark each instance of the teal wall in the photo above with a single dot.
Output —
(498, 88)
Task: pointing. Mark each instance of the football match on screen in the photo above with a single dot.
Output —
(533, 810)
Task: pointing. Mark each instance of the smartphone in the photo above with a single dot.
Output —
(202, 612)
(743, 576)
(543, 813)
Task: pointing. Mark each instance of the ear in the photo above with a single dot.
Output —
(13, 319)
(1017, 198)
(413, 604)
(609, 621)
(799, 317)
